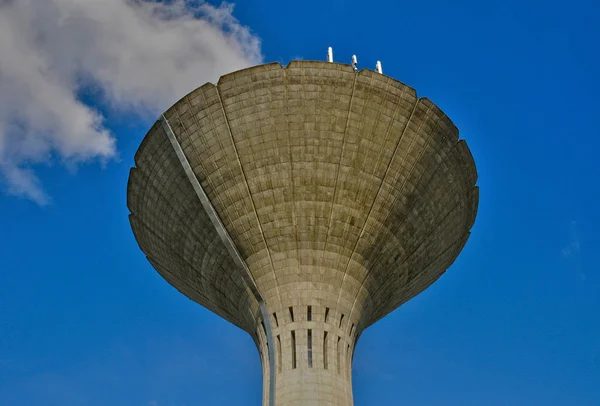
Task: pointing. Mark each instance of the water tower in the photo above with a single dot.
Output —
(302, 204)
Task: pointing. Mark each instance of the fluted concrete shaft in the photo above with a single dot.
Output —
(343, 194)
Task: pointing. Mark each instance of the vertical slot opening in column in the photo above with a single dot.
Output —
(326, 314)
(341, 320)
(309, 313)
(348, 361)
(293, 350)
(309, 348)
(351, 329)
(275, 318)
(325, 350)
(292, 314)
(337, 352)
(278, 355)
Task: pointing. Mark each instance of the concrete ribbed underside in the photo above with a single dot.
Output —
(326, 180)
(340, 190)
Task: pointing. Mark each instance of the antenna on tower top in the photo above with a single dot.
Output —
(378, 67)
(354, 63)
(329, 54)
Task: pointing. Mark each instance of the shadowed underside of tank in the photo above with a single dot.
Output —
(338, 188)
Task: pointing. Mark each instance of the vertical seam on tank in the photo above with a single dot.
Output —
(195, 150)
(376, 196)
(335, 187)
(224, 235)
(409, 172)
(205, 201)
(337, 175)
(464, 200)
(289, 140)
(262, 304)
(249, 192)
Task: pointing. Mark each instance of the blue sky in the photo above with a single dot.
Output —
(85, 320)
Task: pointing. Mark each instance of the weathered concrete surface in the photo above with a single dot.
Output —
(341, 191)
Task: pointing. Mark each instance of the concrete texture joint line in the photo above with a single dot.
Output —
(335, 188)
(412, 142)
(422, 241)
(389, 164)
(249, 192)
(425, 237)
(262, 304)
(208, 207)
(287, 124)
(151, 259)
(337, 174)
(231, 248)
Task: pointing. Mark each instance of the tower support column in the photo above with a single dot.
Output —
(314, 346)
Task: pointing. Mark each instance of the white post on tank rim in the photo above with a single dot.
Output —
(354, 63)
(378, 67)
(329, 54)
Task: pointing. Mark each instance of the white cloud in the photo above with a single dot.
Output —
(138, 56)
